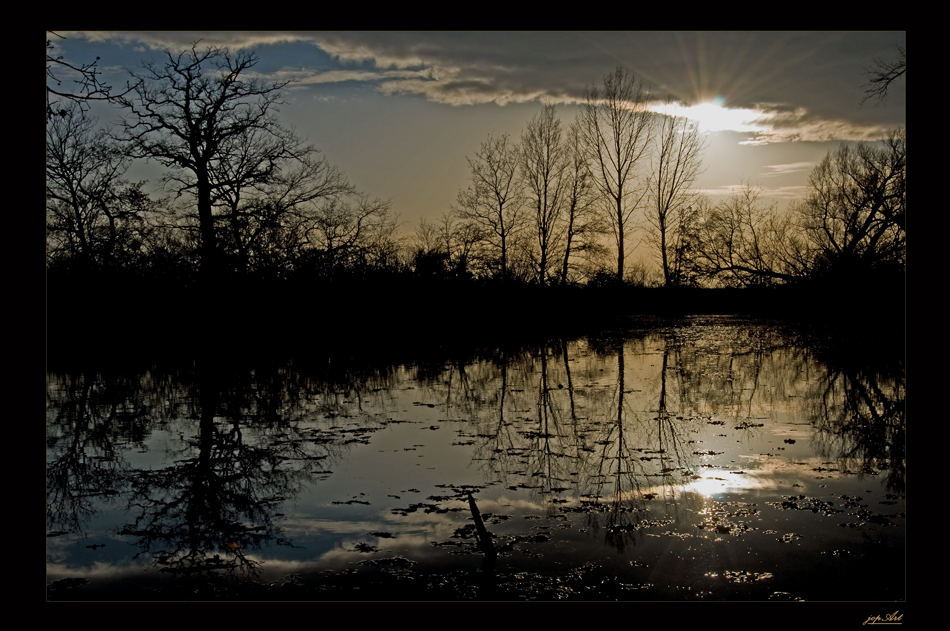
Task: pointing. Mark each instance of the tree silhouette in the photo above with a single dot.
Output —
(882, 75)
(201, 116)
(267, 227)
(493, 201)
(616, 127)
(854, 217)
(90, 86)
(677, 163)
(349, 234)
(94, 216)
(740, 242)
(583, 224)
(544, 164)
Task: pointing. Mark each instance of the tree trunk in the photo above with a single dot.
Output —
(666, 264)
(567, 248)
(208, 269)
(619, 241)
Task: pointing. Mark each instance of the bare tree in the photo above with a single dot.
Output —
(854, 217)
(193, 114)
(94, 216)
(429, 255)
(616, 127)
(544, 171)
(493, 202)
(739, 242)
(681, 245)
(428, 238)
(462, 240)
(86, 77)
(677, 162)
(850, 230)
(882, 75)
(264, 222)
(446, 247)
(350, 233)
(583, 225)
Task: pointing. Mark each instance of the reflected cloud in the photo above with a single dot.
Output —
(609, 437)
(97, 570)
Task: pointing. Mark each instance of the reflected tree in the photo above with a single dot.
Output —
(858, 408)
(93, 420)
(669, 438)
(499, 441)
(245, 445)
(83, 464)
(550, 452)
(617, 465)
(206, 511)
(637, 459)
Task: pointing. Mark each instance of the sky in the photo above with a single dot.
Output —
(399, 112)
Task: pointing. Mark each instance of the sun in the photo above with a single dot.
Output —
(713, 116)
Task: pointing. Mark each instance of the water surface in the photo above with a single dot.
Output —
(710, 458)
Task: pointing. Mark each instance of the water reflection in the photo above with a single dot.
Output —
(632, 434)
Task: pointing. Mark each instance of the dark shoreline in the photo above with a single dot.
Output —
(92, 326)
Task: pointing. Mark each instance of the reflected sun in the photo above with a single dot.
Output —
(707, 487)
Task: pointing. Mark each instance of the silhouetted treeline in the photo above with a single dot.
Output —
(259, 238)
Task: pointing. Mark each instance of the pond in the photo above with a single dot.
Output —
(707, 458)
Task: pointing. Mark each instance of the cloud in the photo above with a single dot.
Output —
(802, 86)
(181, 40)
(346, 50)
(461, 92)
(474, 68)
(308, 77)
(721, 191)
(770, 123)
(463, 68)
(789, 193)
(783, 124)
(786, 169)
